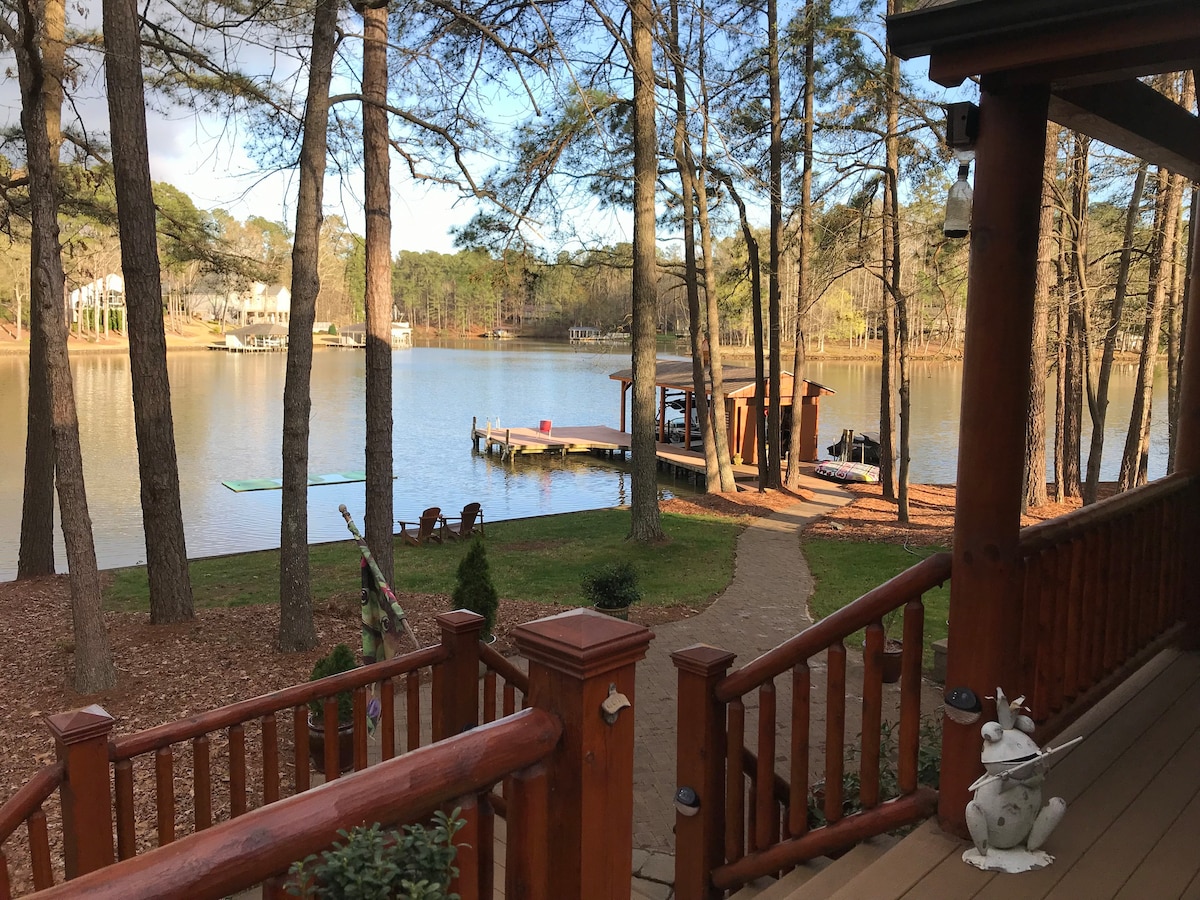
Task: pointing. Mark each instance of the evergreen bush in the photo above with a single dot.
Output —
(474, 590)
(612, 587)
(340, 659)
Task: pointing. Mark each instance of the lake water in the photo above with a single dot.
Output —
(228, 417)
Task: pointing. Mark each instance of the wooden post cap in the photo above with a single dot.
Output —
(582, 642)
(78, 725)
(702, 659)
(459, 621)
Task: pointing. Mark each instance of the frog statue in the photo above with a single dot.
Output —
(1006, 819)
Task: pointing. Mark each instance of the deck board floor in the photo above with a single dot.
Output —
(1133, 816)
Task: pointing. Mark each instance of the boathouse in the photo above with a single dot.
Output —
(674, 379)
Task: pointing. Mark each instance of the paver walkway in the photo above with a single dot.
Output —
(764, 604)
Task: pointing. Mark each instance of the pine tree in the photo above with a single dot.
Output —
(475, 590)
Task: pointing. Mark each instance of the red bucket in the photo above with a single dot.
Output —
(544, 427)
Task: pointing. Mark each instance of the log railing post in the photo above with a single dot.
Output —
(700, 765)
(577, 661)
(456, 681)
(81, 741)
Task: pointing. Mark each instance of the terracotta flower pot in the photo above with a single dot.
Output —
(316, 746)
(893, 655)
(617, 612)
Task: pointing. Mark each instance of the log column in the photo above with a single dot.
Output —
(81, 740)
(575, 660)
(985, 599)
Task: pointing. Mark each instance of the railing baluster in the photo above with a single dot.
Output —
(360, 729)
(489, 696)
(270, 758)
(835, 730)
(528, 835)
(126, 827)
(909, 745)
(487, 847)
(467, 860)
(735, 783)
(332, 762)
(1050, 563)
(237, 770)
(387, 719)
(5, 885)
(765, 776)
(1031, 573)
(1068, 581)
(801, 714)
(300, 742)
(872, 716)
(510, 699)
(275, 888)
(201, 783)
(412, 686)
(164, 785)
(39, 850)
(1099, 609)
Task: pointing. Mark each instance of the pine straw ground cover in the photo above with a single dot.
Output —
(171, 672)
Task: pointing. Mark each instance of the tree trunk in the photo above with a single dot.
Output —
(158, 469)
(1060, 367)
(36, 554)
(378, 519)
(1035, 434)
(891, 275)
(804, 261)
(717, 420)
(93, 656)
(645, 523)
(774, 442)
(1179, 323)
(1166, 214)
(1076, 343)
(296, 629)
(1104, 376)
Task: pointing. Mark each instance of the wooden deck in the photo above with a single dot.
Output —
(1133, 815)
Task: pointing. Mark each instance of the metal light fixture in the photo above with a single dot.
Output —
(962, 126)
(963, 706)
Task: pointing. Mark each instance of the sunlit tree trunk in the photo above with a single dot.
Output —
(158, 468)
(36, 554)
(774, 442)
(1035, 434)
(377, 193)
(296, 629)
(645, 523)
(93, 666)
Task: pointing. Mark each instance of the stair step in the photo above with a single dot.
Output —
(819, 878)
(903, 866)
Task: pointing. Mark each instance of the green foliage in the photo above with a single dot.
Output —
(340, 659)
(540, 559)
(474, 590)
(845, 570)
(333, 329)
(415, 863)
(612, 587)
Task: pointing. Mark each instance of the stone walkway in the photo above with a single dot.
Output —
(764, 604)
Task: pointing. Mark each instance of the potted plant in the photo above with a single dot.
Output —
(370, 863)
(474, 590)
(612, 589)
(339, 659)
(893, 645)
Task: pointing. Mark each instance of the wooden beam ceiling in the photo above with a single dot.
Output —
(1133, 117)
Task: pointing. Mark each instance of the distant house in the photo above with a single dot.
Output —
(257, 304)
(87, 303)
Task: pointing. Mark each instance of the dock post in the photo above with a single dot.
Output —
(507, 443)
(475, 433)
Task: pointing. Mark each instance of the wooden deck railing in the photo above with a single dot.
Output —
(254, 739)
(260, 846)
(1103, 590)
(751, 821)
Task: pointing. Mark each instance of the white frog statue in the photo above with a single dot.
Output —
(1006, 819)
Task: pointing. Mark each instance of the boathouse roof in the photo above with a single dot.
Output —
(675, 374)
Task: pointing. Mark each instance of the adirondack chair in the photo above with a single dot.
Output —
(425, 528)
(465, 525)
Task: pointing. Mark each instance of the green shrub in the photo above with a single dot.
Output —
(612, 587)
(340, 659)
(416, 863)
(333, 329)
(474, 589)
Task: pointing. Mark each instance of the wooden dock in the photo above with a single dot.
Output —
(596, 439)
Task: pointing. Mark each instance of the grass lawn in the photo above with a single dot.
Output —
(844, 571)
(541, 559)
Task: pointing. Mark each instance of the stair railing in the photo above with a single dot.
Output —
(739, 818)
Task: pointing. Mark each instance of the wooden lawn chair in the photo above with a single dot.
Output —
(469, 522)
(424, 528)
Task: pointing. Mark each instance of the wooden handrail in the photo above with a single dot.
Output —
(32, 795)
(870, 607)
(1076, 523)
(244, 851)
(491, 657)
(160, 736)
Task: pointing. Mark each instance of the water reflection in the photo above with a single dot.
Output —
(228, 418)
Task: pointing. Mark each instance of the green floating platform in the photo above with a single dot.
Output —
(274, 484)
